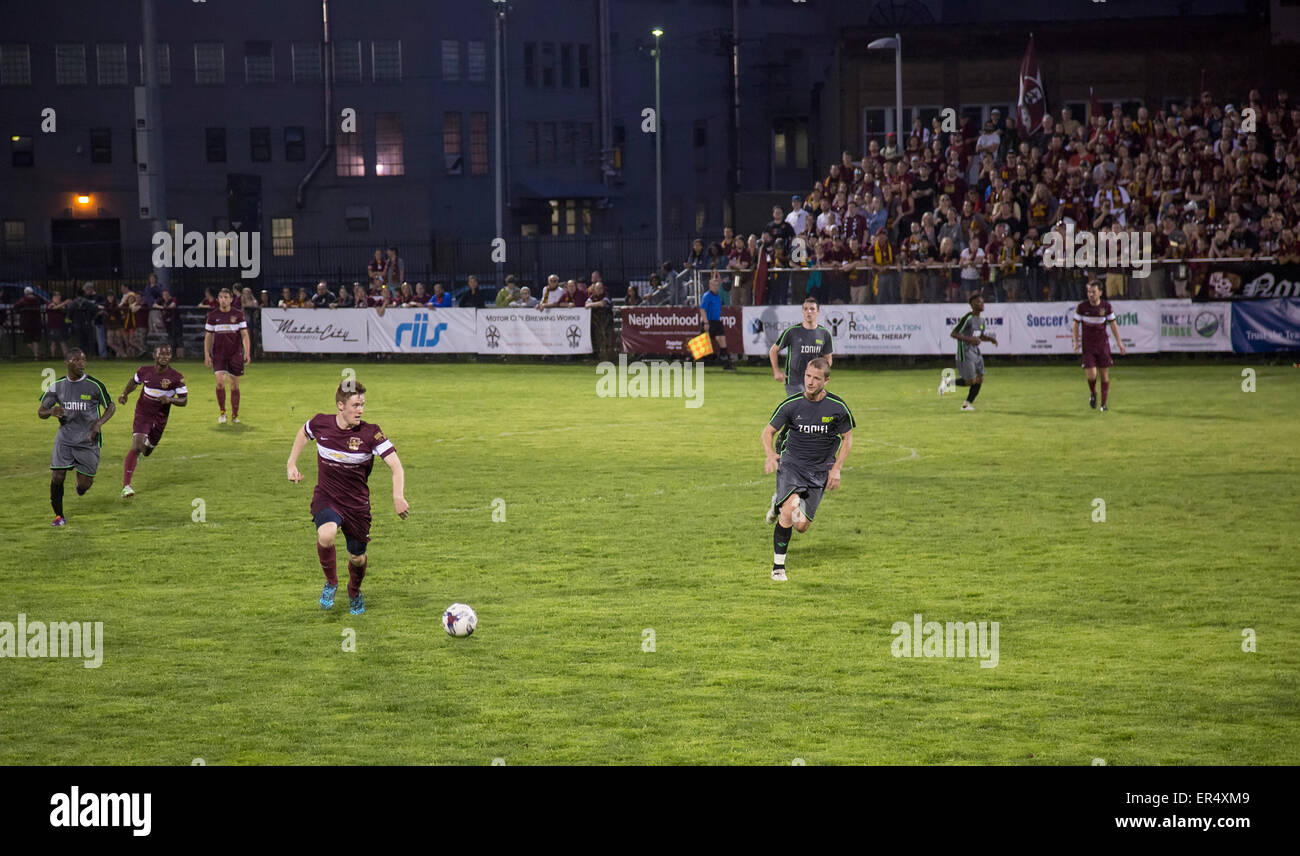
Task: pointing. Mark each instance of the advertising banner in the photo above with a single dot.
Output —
(534, 331)
(1262, 326)
(1251, 280)
(423, 331)
(665, 330)
(315, 331)
(1188, 326)
(854, 329)
(1045, 328)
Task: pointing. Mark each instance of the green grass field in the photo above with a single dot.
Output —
(1119, 640)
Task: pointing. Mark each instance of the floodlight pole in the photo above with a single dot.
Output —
(659, 163)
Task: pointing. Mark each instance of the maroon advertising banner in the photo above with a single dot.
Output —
(665, 330)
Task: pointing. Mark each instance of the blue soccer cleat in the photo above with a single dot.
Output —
(358, 604)
(327, 596)
(59, 521)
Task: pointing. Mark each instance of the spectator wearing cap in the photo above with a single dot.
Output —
(798, 217)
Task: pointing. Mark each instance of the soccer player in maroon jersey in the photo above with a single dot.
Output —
(1094, 314)
(225, 331)
(345, 453)
(161, 387)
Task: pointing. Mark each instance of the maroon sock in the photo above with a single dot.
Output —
(221, 397)
(234, 402)
(1092, 386)
(1105, 390)
(129, 469)
(356, 573)
(328, 564)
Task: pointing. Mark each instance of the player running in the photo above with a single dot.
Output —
(968, 332)
(225, 331)
(802, 342)
(813, 432)
(161, 387)
(1094, 314)
(345, 453)
(82, 405)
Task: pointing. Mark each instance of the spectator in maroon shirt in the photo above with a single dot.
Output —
(56, 326)
(378, 265)
(29, 318)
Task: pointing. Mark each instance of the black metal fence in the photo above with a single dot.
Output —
(619, 258)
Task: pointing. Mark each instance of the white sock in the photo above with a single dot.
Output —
(778, 559)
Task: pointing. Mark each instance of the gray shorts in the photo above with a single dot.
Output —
(971, 367)
(793, 389)
(792, 479)
(84, 458)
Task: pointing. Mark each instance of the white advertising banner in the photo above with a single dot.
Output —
(534, 331)
(1188, 326)
(423, 331)
(1046, 328)
(315, 331)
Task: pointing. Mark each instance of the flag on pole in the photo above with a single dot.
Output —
(701, 346)
(760, 277)
(1033, 100)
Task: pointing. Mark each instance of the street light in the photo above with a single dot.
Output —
(500, 16)
(896, 43)
(659, 161)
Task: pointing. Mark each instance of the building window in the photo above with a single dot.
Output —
(620, 143)
(281, 236)
(164, 64)
(568, 149)
(215, 139)
(451, 150)
(584, 66)
(259, 140)
(15, 66)
(675, 213)
(530, 63)
(388, 144)
(70, 65)
(386, 62)
(586, 143)
(478, 143)
(548, 65)
(259, 63)
(295, 143)
(548, 143)
(15, 235)
(209, 63)
(700, 145)
(101, 145)
(701, 214)
(790, 143)
(566, 65)
(21, 151)
(450, 60)
(530, 142)
(110, 62)
(306, 62)
(350, 160)
(347, 62)
(476, 61)
(357, 218)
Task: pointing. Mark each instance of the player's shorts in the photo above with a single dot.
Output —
(233, 364)
(151, 426)
(356, 528)
(716, 329)
(971, 367)
(1097, 358)
(791, 478)
(85, 459)
(793, 389)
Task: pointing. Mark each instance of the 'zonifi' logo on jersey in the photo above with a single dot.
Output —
(354, 443)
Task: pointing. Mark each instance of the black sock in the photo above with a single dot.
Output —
(974, 391)
(56, 498)
(780, 542)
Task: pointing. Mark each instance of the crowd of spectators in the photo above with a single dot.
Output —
(948, 214)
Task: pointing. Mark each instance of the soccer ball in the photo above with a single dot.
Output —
(459, 620)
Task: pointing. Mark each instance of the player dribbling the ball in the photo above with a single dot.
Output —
(345, 453)
(815, 432)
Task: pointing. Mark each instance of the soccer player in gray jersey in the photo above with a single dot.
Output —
(82, 405)
(802, 342)
(969, 332)
(816, 427)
